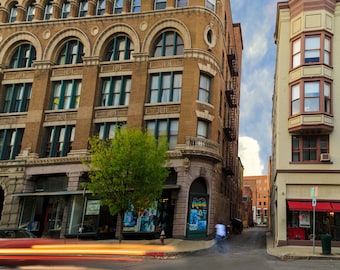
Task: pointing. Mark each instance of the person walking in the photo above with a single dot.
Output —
(220, 234)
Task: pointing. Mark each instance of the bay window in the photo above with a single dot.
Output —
(311, 49)
(204, 88)
(311, 97)
(307, 148)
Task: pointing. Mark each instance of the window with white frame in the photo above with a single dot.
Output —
(311, 49)
(58, 141)
(164, 128)
(30, 11)
(115, 91)
(136, 5)
(13, 10)
(313, 96)
(83, 8)
(16, 97)
(118, 6)
(65, 94)
(48, 10)
(10, 143)
(165, 87)
(71, 53)
(119, 48)
(100, 7)
(65, 9)
(23, 56)
(202, 129)
(167, 44)
(211, 4)
(160, 4)
(204, 88)
(308, 148)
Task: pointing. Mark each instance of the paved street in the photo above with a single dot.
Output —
(245, 251)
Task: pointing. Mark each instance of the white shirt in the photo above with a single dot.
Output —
(220, 229)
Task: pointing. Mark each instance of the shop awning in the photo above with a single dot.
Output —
(307, 206)
(50, 193)
(335, 207)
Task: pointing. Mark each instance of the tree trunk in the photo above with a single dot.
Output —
(120, 233)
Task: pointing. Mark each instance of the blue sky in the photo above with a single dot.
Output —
(257, 18)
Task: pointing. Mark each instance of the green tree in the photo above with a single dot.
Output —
(130, 168)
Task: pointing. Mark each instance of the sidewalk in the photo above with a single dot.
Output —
(300, 252)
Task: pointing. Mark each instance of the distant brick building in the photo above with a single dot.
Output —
(259, 186)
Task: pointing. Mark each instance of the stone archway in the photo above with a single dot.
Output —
(198, 209)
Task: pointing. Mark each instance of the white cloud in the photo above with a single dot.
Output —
(249, 152)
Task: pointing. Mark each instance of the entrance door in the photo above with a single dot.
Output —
(198, 210)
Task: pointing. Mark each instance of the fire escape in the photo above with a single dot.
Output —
(230, 130)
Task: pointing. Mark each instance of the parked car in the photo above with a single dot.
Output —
(16, 233)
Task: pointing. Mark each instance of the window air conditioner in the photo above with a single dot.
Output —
(324, 157)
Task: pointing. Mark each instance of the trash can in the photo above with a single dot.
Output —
(326, 243)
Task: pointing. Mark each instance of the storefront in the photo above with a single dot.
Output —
(300, 220)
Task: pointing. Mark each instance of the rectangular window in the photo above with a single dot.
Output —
(107, 130)
(309, 148)
(202, 129)
(136, 6)
(65, 95)
(30, 12)
(10, 143)
(312, 49)
(83, 8)
(164, 128)
(16, 98)
(100, 7)
(65, 10)
(327, 97)
(211, 4)
(312, 96)
(296, 53)
(327, 51)
(165, 87)
(181, 3)
(118, 6)
(295, 99)
(205, 87)
(115, 91)
(48, 10)
(58, 141)
(160, 4)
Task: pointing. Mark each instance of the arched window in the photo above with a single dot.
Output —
(48, 10)
(100, 7)
(120, 48)
(168, 43)
(83, 8)
(23, 56)
(13, 10)
(71, 53)
(65, 10)
(30, 12)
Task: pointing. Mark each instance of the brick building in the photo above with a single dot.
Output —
(73, 69)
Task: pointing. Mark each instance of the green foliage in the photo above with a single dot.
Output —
(130, 168)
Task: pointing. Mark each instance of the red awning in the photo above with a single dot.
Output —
(336, 207)
(307, 206)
